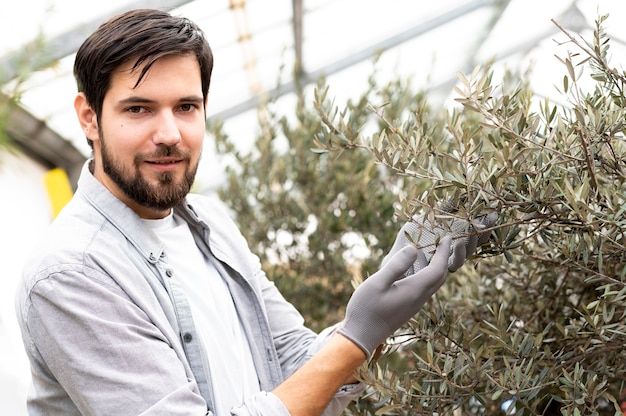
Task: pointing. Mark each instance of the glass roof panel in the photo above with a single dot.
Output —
(254, 40)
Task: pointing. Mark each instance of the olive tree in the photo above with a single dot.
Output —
(535, 320)
(538, 321)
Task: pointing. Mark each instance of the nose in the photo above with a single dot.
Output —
(167, 131)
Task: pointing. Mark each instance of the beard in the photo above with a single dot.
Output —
(163, 195)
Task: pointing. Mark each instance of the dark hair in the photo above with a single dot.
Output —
(142, 35)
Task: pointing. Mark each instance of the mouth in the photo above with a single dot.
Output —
(164, 164)
(164, 161)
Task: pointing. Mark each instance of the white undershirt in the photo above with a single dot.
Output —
(215, 317)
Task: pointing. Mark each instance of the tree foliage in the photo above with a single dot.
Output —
(12, 82)
(537, 317)
(308, 215)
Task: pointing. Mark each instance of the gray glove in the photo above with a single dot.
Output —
(466, 237)
(387, 299)
(410, 276)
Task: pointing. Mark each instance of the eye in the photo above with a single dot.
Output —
(187, 107)
(136, 109)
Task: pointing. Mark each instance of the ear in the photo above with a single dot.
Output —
(86, 117)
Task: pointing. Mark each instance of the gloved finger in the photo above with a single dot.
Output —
(430, 278)
(418, 264)
(442, 254)
(458, 255)
(400, 241)
(472, 240)
(397, 265)
(487, 221)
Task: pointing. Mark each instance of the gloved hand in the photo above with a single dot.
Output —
(410, 276)
(466, 238)
(387, 299)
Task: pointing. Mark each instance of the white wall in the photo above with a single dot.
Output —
(24, 212)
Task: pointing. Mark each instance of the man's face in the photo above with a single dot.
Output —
(150, 137)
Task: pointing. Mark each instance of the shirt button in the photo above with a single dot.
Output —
(187, 337)
(169, 273)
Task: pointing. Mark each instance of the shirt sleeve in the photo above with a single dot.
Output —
(261, 404)
(267, 403)
(90, 340)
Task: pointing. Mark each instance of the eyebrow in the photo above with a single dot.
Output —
(140, 100)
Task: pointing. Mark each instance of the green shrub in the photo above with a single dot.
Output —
(537, 316)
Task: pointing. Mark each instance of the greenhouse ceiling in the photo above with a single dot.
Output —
(256, 43)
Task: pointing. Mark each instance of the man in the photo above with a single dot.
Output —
(144, 299)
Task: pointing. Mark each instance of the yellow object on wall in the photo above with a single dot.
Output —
(59, 189)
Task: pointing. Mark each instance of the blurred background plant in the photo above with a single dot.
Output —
(315, 220)
(534, 324)
(12, 78)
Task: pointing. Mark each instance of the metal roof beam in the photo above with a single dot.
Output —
(35, 139)
(572, 18)
(297, 35)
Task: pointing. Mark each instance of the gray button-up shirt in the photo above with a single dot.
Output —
(107, 333)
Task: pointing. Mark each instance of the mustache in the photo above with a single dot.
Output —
(165, 151)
